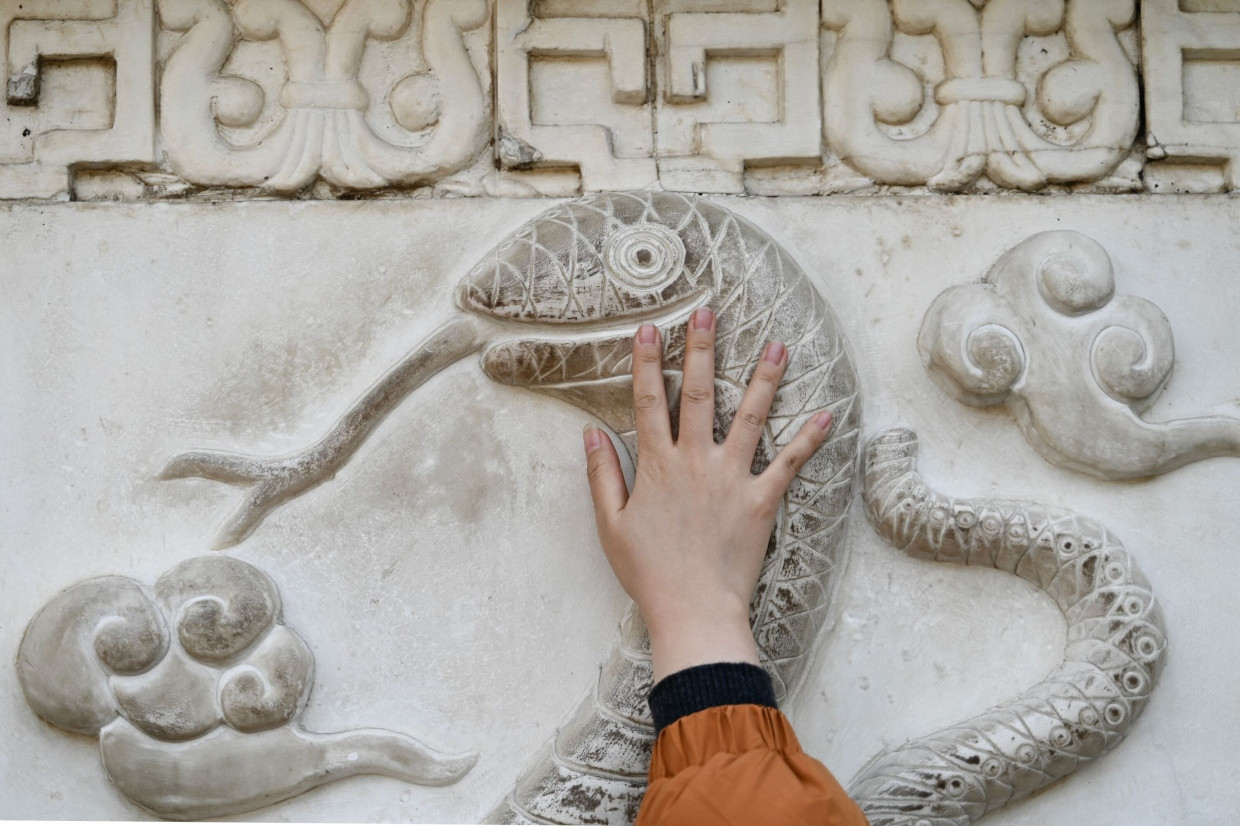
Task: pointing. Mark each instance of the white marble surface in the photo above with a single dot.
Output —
(448, 581)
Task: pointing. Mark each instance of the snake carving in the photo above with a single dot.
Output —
(553, 309)
(1083, 709)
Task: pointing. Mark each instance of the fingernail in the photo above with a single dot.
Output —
(593, 438)
(774, 352)
(703, 318)
(647, 334)
(823, 420)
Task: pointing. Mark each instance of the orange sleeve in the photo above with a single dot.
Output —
(740, 765)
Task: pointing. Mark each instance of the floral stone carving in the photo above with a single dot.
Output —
(902, 124)
(1082, 710)
(328, 123)
(1046, 335)
(151, 98)
(194, 690)
(553, 308)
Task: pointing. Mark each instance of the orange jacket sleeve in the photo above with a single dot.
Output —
(740, 765)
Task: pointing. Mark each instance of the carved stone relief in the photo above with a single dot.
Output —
(571, 78)
(79, 89)
(273, 96)
(221, 127)
(943, 93)
(739, 87)
(1082, 710)
(735, 82)
(553, 308)
(194, 690)
(1047, 336)
(1192, 105)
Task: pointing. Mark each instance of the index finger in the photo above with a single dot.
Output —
(654, 424)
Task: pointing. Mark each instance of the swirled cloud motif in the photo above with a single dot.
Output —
(1046, 335)
(194, 689)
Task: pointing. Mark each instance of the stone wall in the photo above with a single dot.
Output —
(1003, 225)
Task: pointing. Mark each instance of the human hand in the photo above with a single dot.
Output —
(687, 543)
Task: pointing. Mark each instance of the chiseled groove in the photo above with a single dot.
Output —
(527, 814)
(594, 771)
(602, 710)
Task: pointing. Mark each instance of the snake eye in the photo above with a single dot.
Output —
(644, 258)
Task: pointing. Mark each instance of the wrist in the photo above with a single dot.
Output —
(689, 635)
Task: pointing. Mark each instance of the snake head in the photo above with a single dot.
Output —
(571, 287)
(605, 258)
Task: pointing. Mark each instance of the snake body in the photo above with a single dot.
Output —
(1082, 710)
(622, 256)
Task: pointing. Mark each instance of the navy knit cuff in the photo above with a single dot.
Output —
(706, 686)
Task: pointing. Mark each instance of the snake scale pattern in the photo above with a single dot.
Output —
(613, 257)
(1082, 710)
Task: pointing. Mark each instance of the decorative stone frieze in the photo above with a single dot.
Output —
(942, 93)
(1189, 51)
(571, 78)
(226, 121)
(79, 90)
(738, 85)
(344, 97)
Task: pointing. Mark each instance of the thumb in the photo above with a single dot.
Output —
(607, 487)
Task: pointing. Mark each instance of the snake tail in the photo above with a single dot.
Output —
(1116, 645)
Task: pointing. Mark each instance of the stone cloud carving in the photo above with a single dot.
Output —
(194, 690)
(327, 123)
(553, 309)
(1082, 710)
(1046, 335)
(1075, 121)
